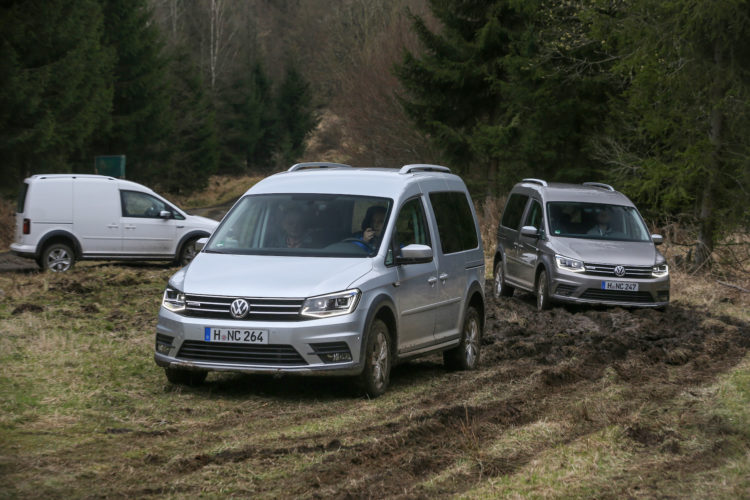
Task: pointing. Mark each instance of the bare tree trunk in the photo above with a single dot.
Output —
(491, 178)
(221, 33)
(173, 15)
(706, 217)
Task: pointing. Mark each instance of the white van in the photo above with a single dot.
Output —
(62, 218)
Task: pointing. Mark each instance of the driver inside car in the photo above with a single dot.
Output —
(372, 226)
(294, 230)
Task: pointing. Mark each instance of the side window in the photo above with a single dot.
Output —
(135, 204)
(454, 221)
(514, 211)
(411, 227)
(534, 217)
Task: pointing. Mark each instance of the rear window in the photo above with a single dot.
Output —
(454, 221)
(22, 198)
(514, 210)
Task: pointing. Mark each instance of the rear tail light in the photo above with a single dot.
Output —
(27, 226)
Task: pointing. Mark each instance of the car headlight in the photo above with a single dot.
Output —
(332, 304)
(569, 264)
(173, 299)
(660, 270)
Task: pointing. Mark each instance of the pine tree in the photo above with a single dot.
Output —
(490, 90)
(139, 126)
(678, 140)
(296, 117)
(249, 128)
(54, 86)
(193, 137)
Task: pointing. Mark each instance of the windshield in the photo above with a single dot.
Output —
(315, 225)
(596, 221)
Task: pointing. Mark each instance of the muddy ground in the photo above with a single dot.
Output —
(628, 385)
(556, 357)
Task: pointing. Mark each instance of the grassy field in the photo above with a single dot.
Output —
(571, 403)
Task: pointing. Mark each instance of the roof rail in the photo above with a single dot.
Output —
(536, 181)
(316, 164)
(599, 185)
(423, 167)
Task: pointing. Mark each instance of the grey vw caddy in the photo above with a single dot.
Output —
(328, 269)
(578, 243)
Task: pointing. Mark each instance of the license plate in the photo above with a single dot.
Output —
(238, 335)
(620, 286)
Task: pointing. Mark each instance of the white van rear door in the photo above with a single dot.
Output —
(96, 216)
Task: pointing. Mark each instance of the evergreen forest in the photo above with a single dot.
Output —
(652, 96)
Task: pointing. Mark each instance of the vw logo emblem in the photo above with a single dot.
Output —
(619, 270)
(239, 308)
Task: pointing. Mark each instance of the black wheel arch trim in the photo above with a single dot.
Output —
(379, 303)
(474, 288)
(543, 264)
(58, 233)
(195, 234)
(498, 257)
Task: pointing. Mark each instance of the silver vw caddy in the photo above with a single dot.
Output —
(328, 269)
(578, 243)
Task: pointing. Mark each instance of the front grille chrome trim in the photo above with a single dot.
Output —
(261, 308)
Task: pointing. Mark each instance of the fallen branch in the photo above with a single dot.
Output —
(737, 287)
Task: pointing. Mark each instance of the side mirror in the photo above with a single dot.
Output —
(657, 239)
(414, 254)
(165, 214)
(200, 244)
(530, 231)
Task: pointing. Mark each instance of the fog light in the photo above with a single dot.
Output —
(332, 352)
(336, 357)
(163, 343)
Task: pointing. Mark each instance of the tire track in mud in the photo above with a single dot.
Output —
(558, 354)
(548, 363)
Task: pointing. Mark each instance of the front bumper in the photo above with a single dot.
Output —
(301, 336)
(585, 288)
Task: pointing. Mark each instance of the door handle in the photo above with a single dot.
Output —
(129, 227)
(113, 226)
(443, 277)
(180, 226)
(432, 280)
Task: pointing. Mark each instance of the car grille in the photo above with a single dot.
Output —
(617, 296)
(209, 306)
(609, 270)
(228, 352)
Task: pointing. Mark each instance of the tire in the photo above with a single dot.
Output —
(543, 301)
(187, 252)
(57, 257)
(500, 288)
(466, 355)
(377, 371)
(190, 378)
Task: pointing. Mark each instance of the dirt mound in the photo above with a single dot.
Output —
(575, 343)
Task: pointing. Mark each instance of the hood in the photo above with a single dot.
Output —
(270, 275)
(627, 253)
(203, 221)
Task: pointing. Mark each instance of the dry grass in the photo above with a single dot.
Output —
(85, 412)
(7, 223)
(221, 189)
